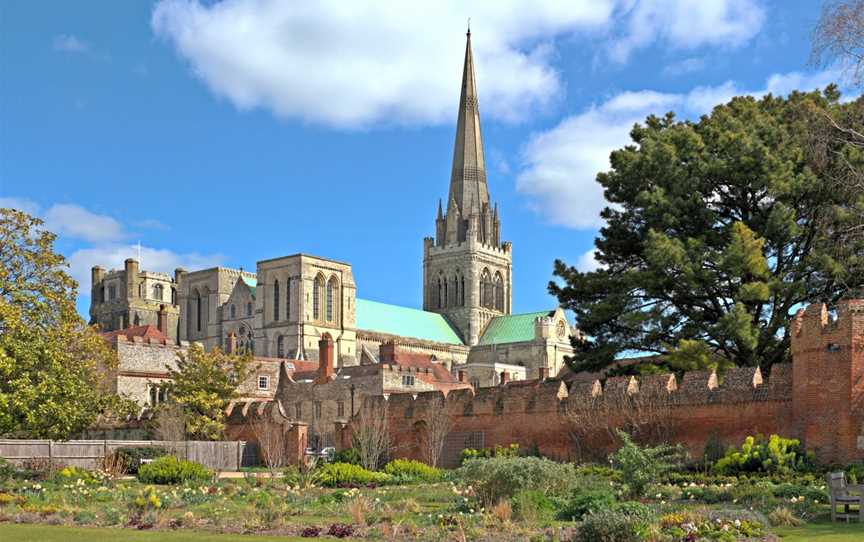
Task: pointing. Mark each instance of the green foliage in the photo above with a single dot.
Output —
(7, 470)
(758, 454)
(348, 455)
(497, 451)
(411, 470)
(641, 466)
(532, 506)
(611, 525)
(718, 228)
(582, 502)
(133, 455)
(170, 470)
(502, 477)
(338, 474)
(50, 360)
(854, 473)
(714, 449)
(146, 501)
(203, 384)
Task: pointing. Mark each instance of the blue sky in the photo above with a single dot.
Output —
(230, 132)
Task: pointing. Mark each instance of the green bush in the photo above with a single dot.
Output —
(855, 473)
(582, 502)
(411, 470)
(133, 455)
(170, 470)
(7, 470)
(611, 525)
(348, 455)
(485, 453)
(758, 454)
(641, 466)
(338, 474)
(532, 506)
(502, 477)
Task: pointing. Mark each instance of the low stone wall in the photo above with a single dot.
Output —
(88, 454)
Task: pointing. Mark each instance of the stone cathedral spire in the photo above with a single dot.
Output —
(466, 268)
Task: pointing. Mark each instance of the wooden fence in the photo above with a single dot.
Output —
(219, 456)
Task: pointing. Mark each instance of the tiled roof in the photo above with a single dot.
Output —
(404, 322)
(145, 332)
(251, 283)
(512, 328)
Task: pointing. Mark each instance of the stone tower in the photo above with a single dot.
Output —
(467, 270)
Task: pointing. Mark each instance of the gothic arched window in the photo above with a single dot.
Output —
(332, 288)
(444, 295)
(462, 292)
(233, 311)
(249, 308)
(157, 292)
(196, 300)
(317, 288)
(485, 289)
(499, 292)
(280, 346)
(275, 300)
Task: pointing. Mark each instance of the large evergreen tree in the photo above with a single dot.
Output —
(718, 230)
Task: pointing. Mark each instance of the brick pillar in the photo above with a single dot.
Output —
(131, 268)
(298, 439)
(325, 359)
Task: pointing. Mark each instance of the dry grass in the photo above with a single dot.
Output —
(115, 465)
(502, 511)
(358, 508)
(784, 517)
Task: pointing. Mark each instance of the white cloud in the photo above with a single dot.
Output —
(682, 67)
(20, 204)
(352, 64)
(559, 166)
(587, 262)
(77, 222)
(152, 259)
(686, 24)
(68, 43)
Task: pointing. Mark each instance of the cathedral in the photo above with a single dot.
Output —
(284, 308)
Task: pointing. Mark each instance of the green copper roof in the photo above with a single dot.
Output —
(404, 322)
(512, 328)
(251, 283)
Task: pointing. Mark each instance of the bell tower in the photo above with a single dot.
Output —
(467, 270)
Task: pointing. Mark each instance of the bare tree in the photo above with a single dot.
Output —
(170, 422)
(595, 419)
(438, 424)
(839, 37)
(370, 433)
(272, 441)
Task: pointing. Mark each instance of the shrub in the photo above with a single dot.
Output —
(641, 466)
(338, 474)
(408, 469)
(485, 453)
(532, 506)
(610, 525)
(502, 477)
(348, 455)
(7, 470)
(340, 530)
(582, 503)
(170, 470)
(854, 473)
(758, 454)
(134, 454)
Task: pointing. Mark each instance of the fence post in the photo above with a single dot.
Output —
(50, 452)
(104, 449)
(239, 456)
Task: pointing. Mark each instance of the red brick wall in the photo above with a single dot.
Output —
(819, 399)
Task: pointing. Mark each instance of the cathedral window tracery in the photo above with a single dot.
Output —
(233, 311)
(157, 292)
(276, 300)
(317, 289)
(332, 287)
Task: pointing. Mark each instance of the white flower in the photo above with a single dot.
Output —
(737, 523)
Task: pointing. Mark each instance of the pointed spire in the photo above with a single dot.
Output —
(440, 210)
(468, 176)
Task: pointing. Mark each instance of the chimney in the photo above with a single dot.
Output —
(462, 376)
(544, 373)
(325, 359)
(232, 343)
(505, 377)
(387, 352)
(162, 320)
(131, 268)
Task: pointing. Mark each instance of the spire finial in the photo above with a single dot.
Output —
(469, 27)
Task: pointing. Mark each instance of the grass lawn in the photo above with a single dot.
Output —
(10, 532)
(822, 532)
